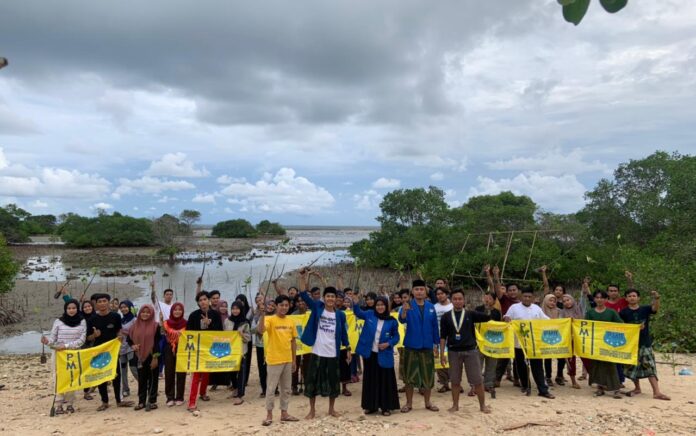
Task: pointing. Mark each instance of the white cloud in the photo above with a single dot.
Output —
(204, 198)
(437, 176)
(166, 199)
(226, 180)
(368, 200)
(150, 185)
(175, 165)
(558, 194)
(4, 163)
(553, 163)
(450, 195)
(283, 192)
(101, 205)
(385, 183)
(55, 182)
(38, 204)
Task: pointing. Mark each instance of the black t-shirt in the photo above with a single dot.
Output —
(638, 316)
(467, 337)
(109, 325)
(494, 313)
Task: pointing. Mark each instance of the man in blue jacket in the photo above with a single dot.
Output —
(420, 345)
(325, 332)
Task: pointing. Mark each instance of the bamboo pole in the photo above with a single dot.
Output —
(529, 259)
(507, 252)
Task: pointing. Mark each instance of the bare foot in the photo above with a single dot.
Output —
(453, 409)
(334, 414)
(310, 415)
(485, 409)
(661, 397)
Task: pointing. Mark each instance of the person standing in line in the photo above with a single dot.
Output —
(280, 358)
(550, 308)
(602, 373)
(144, 338)
(572, 310)
(527, 310)
(379, 335)
(442, 306)
(174, 382)
(421, 346)
(237, 321)
(103, 327)
(68, 333)
(326, 331)
(646, 367)
(506, 296)
(489, 363)
(205, 318)
(126, 356)
(268, 307)
(457, 333)
(86, 310)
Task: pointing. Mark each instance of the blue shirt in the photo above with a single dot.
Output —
(422, 329)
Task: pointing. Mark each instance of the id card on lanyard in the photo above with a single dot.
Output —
(458, 325)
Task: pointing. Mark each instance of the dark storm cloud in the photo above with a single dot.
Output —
(258, 62)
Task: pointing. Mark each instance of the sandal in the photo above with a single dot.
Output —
(406, 409)
(205, 398)
(139, 407)
(560, 381)
(598, 394)
(432, 408)
(347, 393)
(125, 404)
(70, 409)
(386, 413)
(443, 389)
(266, 422)
(237, 402)
(582, 377)
(60, 411)
(153, 406)
(289, 418)
(88, 397)
(631, 393)
(617, 395)
(103, 407)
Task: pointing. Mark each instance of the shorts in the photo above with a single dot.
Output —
(470, 361)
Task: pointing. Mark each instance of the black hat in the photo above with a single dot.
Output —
(418, 282)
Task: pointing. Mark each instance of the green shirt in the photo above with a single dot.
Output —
(609, 315)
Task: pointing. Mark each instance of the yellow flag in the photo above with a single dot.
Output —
(544, 338)
(494, 339)
(209, 351)
(607, 341)
(355, 326)
(79, 369)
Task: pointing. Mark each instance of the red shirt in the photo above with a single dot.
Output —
(618, 305)
(506, 302)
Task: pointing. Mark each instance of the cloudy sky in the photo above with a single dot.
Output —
(309, 112)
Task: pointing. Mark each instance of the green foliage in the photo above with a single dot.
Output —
(169, 234)
(574, 10)
(40, 224)
(188, 218)
(641, 220)
(266, 227)
(239, 228)
(11, 227)
(8, 268)
(114, 230)
(17, 224)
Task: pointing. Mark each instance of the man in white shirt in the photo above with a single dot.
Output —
(163, 306)
(442, 306)
(525, 310)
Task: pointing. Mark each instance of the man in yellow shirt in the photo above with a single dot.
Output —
(280, 357)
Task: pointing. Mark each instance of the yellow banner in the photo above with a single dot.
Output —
(209, 351)
(544, 338)
(79, 369)
(607, 341)
(495, 339)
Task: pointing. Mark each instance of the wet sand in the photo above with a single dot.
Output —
(26, 401)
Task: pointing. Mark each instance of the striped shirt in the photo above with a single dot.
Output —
(71, 337)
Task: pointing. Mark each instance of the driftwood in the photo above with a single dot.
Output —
(529, 424)
(9, 316)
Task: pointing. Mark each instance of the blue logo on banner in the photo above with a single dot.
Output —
(494, 337)
(220, 349)
(551, 337)
(615, 339)
(101, 360)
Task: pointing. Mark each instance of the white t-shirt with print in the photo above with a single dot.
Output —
(325, 345)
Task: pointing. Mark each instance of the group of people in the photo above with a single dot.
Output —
(438, 327)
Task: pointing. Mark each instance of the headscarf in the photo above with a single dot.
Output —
(552, 313)
(268, 301)
(142, 333)
(574, 312)
(245, 303)
(384, 315)
(82, 309)
(129, 316)
(74, 320)
(224, 313)
(239, 319)
(176, 323)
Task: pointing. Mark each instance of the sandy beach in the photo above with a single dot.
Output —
(26, 401)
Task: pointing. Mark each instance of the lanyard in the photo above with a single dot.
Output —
(458, 325)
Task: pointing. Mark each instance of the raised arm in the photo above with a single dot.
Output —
(489, 278)
(655, 301)
(355, 307)
(496, 282)
(629, 279)
(339, 282)
(545, 279)
(319, 276)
